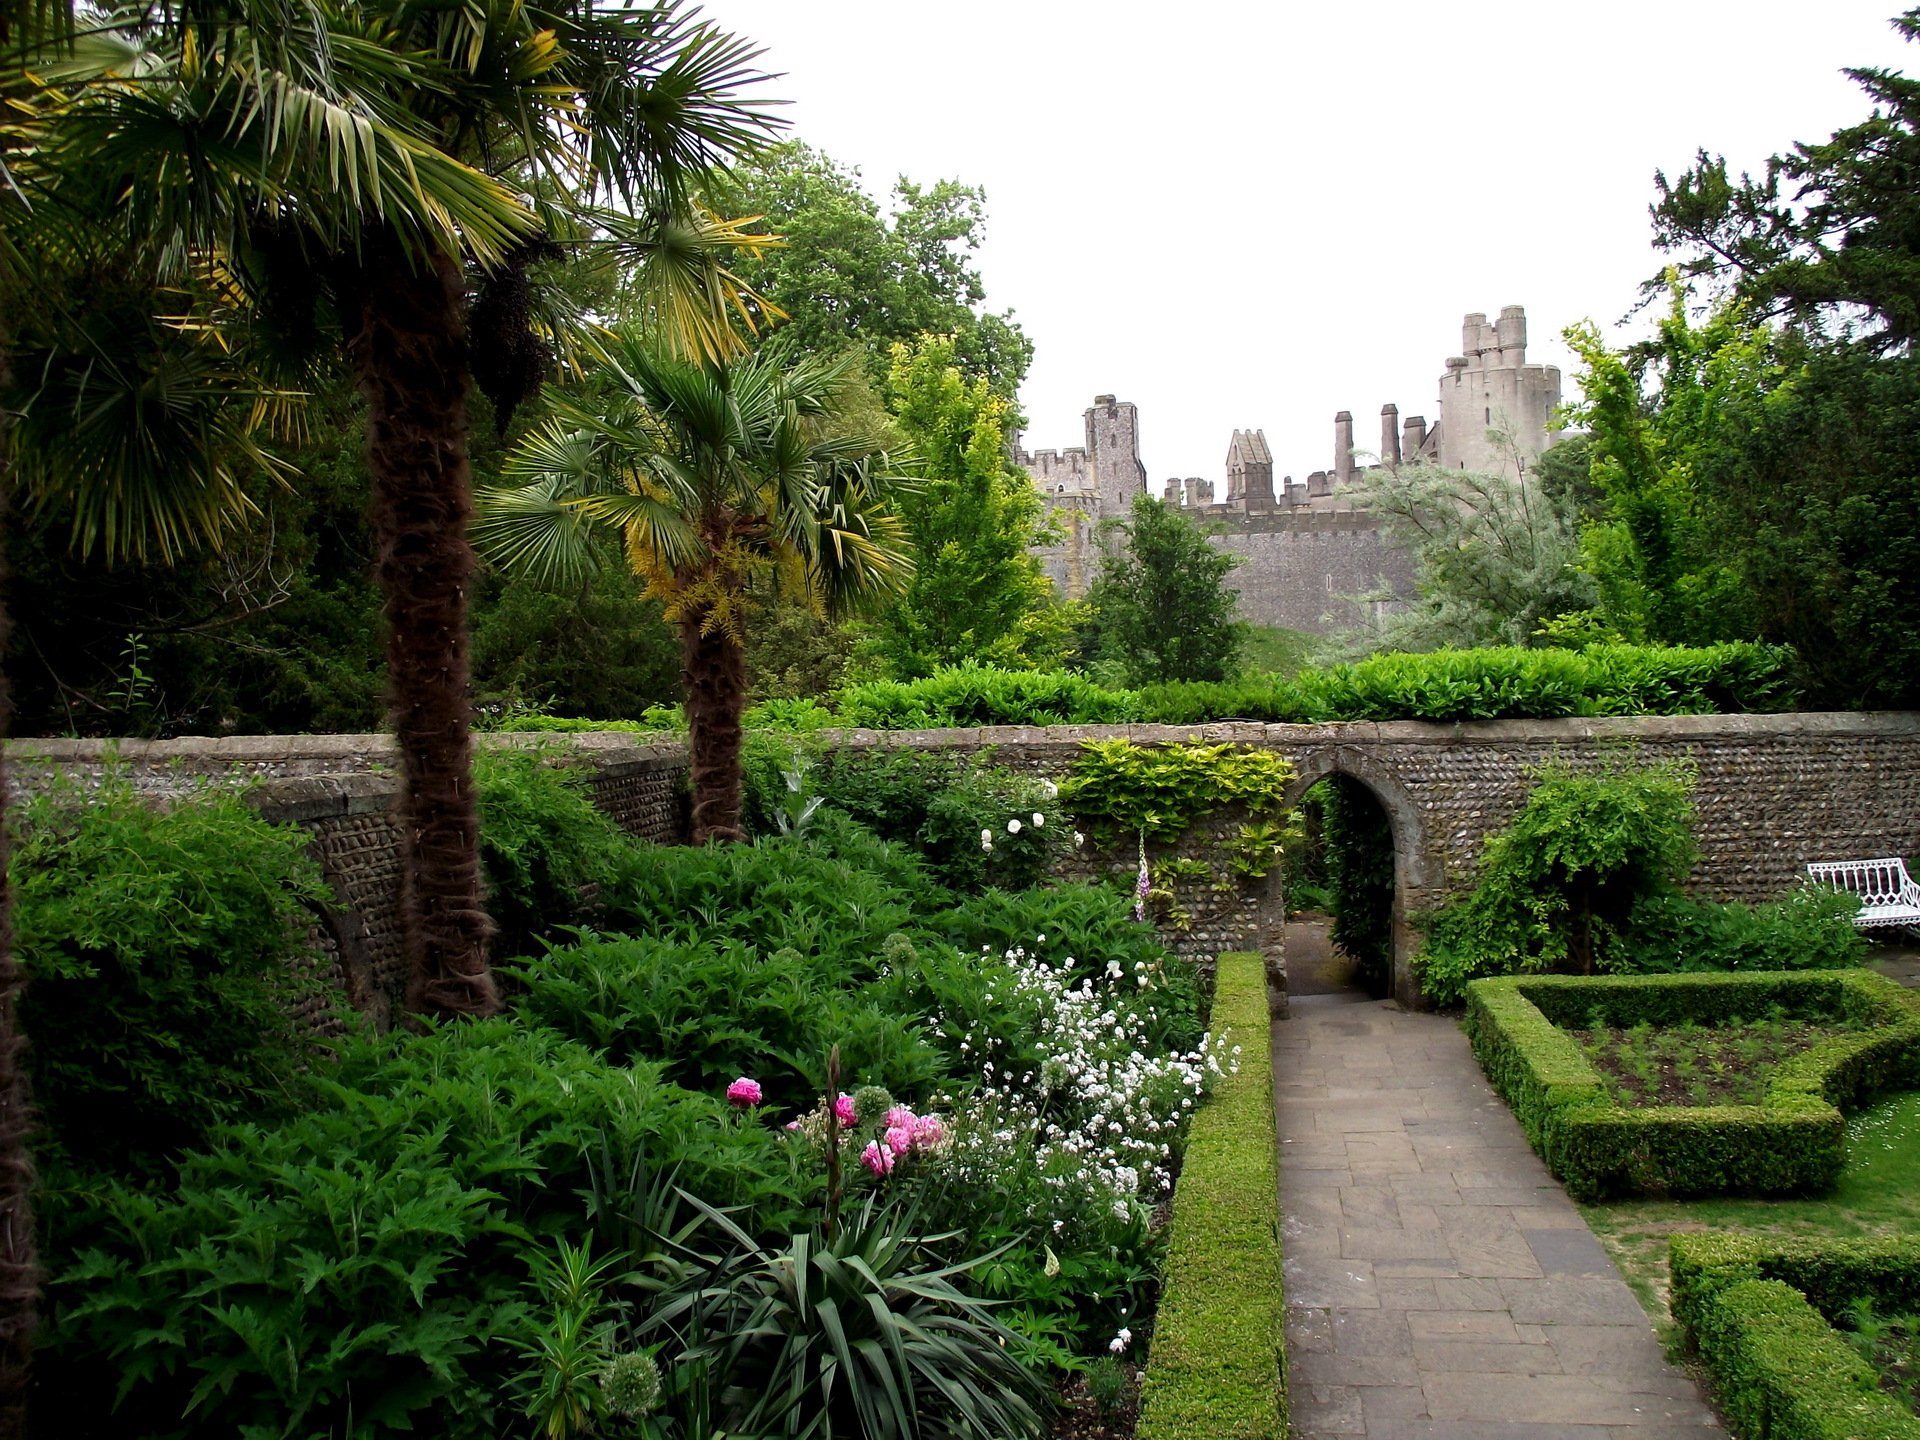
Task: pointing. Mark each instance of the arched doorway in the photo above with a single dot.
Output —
(1374, 868)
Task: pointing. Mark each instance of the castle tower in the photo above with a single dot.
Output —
(1199, 492)
(1113, 446)
(1250, 470)
(1491, 386)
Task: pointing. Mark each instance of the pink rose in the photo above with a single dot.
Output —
(877, 1158)
(793, 1124)
(899, 1139)
(843, 1107)
(744, 1092)
(899, 1115)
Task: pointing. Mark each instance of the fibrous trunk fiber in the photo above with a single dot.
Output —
(408, 346)
(713, 670)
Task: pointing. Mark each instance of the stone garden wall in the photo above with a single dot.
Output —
(1773, 792)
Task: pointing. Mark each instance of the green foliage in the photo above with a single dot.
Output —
(860, 1331)
(968, 695)
(1808, 928)
(1160, 609)
(715, 1010)
(1158, 791)
(1358, 839)
(1493, 557)
(978, 593)
(953, 813)
(1759, 1312)
(1792, 1142)
(165, 949)
(547, 848)
(1557, 886)
(847, 275)
(361, 1267)
(598, 649)
(1499, 683)
(1218, 1366)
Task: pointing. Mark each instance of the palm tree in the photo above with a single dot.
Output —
(717, 476)
(353, 163)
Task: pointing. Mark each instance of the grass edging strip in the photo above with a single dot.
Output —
(1217, 1370)
(1795, 1141)
(1779, 1369)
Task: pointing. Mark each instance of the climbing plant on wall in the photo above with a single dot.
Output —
(1158, 791)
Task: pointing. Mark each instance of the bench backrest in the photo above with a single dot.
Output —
(1876, 882)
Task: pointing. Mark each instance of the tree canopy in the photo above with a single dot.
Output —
(1160, 608)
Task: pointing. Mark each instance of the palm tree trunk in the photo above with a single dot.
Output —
(409, 352)
(19, 1263)
(713, 674)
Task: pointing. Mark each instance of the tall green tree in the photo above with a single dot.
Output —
(848, 274)
(1160, 608)
(978, 591)
(719, 477)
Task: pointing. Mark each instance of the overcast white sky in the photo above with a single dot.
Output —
(1256, 215)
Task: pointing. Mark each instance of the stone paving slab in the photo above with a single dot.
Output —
(1440, 1285)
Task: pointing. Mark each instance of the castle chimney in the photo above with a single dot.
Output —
(1342, 448)
(1171, 492)
(1318, 486)
(1390, 436)
(1413, 438)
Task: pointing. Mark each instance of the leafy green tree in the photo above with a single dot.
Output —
(1160, 608)
(1826, 233)
(718, 478)
(978, 592)
(1494, 556)
(846, 274)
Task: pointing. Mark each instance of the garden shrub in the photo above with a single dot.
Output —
(1794, 1142)
(548, 850)
(712, 1010)
(166, 950)
(1758, 1311)
(969, 695)
(1217, 1370)
(361, 1268)
(1086, 932)
(1557, 885)
(1808, 928)
(1158, 791)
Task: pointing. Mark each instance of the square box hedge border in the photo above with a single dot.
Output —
(1217, 1370)
(1794, 1142)
(1754, 1310)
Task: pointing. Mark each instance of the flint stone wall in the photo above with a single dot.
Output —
(1773, 792)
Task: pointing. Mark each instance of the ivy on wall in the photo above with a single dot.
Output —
(1159, 791)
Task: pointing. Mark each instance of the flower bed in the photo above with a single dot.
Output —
(1759, 1312)
(1218, 1368)
(1792, 1141)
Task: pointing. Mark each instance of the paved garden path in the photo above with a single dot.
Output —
(1440, 1285)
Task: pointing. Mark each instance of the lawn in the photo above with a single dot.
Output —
(1878, 1194)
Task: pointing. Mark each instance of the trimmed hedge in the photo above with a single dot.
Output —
(1217, 1370)
(1793, 1142)
(1755, 1309)
(1489, 684)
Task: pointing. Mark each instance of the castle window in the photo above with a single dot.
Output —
(1329, 584)
(1489, 414)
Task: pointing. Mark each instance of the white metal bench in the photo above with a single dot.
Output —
(1888, 895)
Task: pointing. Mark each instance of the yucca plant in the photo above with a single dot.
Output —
(864, 1334)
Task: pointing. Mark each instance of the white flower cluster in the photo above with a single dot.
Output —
(1095, 1123)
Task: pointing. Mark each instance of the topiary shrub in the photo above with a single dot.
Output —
(167, 954)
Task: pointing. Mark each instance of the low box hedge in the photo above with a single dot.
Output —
(1756, 1312)
(1217, 1370)
(1793, 1142)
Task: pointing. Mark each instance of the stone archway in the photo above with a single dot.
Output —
(1417, 877)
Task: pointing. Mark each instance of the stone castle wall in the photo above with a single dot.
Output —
(1773, 792)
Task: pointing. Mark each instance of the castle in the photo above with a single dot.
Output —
(1305, 550)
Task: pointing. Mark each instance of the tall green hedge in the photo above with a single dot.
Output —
(1218, 1366)
(1793, 1142)
(1756, 1310)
